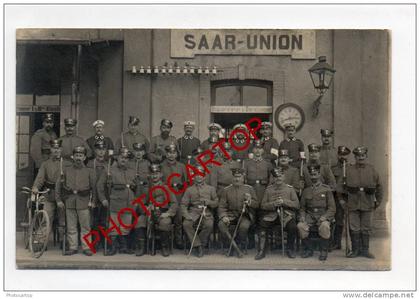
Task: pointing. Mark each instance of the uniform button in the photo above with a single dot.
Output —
(74, 191)
(257, 182)
(315, 210)
(128, 186)
(362, 189)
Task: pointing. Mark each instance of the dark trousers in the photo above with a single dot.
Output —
(206, 227)
(290, 228)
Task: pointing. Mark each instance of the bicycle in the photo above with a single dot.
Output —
(36, 224)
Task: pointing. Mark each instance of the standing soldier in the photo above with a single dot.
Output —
(132, 136)
(47, 176)
(99, 136)
(169, 167)
(291, 174)
(364, 193)
(214, 135)
(158, 143)
(270, 143)
(294, 146)
(161, 216)
(317, 208)
(71, 140)
(194, 205)
(221, 176)
(327, 176)
(188, 143)
(76, 190)
(328, 153)
(340, 172)
(278, 206)
(121, 180)
(99, 167)
(40, 141)
(239, 140)
(236, 200)
(258, 170)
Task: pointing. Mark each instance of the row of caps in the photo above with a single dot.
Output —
(177, 70)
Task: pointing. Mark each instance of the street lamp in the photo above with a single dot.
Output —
(321, 75)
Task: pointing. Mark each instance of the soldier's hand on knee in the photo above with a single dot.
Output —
(35, 190)
(226, 220)
(105, 203)
(60, 205)
(322, 219)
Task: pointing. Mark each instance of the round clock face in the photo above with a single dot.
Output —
(289, 113)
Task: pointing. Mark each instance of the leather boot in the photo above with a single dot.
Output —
(307, 250)
(291, 251)
(338, 233)
(355, 244)
(244, 246)
(164, 241)
(140, 242)
(261, 245)
(123, 244)
(112, 248)
(365, 247)
(323, 249)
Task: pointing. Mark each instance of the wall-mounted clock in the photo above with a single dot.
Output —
(289, 113)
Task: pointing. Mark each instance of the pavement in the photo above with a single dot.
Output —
(214, 260)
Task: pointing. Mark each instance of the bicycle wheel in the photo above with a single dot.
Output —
(25, 223)
(39, 233)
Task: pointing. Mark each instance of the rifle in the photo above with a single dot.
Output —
(109, 186)
(280, 213)
(346, 211)
(65, 220)
(150, 233)
(198, 227)
(236, 231)
(301, 175)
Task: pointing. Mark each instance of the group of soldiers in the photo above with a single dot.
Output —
(263, 190)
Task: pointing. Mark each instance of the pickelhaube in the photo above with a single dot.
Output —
(214, 126)
(314, 168)
(327, 133)
(276, 172)
(133, 120)
(238, 171)
(171, 148)
(70, 122)
(314, 147)
(79, 149)
(343, 150)
(48, 117)
(55, 143)
(124, 152)
(154, 168)
(266, 124)
(166, 122)
(100, 144)
(258, 143)
(137, 146)
(283, 153)
(360, 150)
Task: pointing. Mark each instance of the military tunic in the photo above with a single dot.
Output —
(187, 145)
(243, 152)
(291, 177)
(317, 201)
(195, 196)
(109, 145)
(77, 191)
(127, 139)
(270, 144)
(295, 147)
(207, 144)
(221, 176)
(157, 147)
(364, 191)
(327, 176)
(70, 142)
(40, 146)
(328, 155)
(337, 171)
(258, 175)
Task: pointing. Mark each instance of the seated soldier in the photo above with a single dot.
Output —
(317, 209)
(238, 203)
(279, 203)
(196, 202)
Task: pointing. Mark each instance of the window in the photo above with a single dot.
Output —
(242, 93)
(22, 140)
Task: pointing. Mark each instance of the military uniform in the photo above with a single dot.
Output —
(109, 145)
(221, 176)
(269, 213)
(127, 139)
(294, 147)
(194, 197)
(213, 138)
(157, 147)
(364, 195)
(328, 153)
(258, 175)
(77, 190)
(327, 177)
(40, 143)
(317, 208)
(270, 144)
(187, 144)
(231, 204)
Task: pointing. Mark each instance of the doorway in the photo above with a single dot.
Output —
(228, 120)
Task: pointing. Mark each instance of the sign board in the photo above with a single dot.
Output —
(186, 43)
(241, 109)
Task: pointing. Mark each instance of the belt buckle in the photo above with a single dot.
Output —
(315, 210)
(361, 189)
(74, 192)
(257, 181)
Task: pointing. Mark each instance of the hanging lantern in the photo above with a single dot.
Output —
(163, 70)
(141, 69)
(200, 70)
(156, 70)
(192, 70)
(207, 71)
(133, 69)
(321, 75)
(149, 70)
(214, 70)
(178, 70)
(170, 70)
